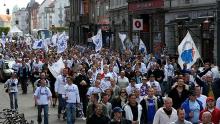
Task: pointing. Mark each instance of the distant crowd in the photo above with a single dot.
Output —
(111, 87)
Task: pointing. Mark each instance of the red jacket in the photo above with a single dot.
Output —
(215, 115)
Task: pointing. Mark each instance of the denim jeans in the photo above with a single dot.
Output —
(39, 118)
(13, 100)
(62, 103)
(71, 113)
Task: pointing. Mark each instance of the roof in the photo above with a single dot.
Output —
(5, 18)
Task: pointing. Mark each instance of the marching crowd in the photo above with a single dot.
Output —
(112, 87)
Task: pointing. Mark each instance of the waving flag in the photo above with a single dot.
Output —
(38, 44)
(97, 40)
(142, 47)
(54, 39)
(3, 40)
(56, 67)
(188, 53)
(10, 38)
(62, 43)
(122, 38)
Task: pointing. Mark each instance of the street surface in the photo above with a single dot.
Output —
(26, 106)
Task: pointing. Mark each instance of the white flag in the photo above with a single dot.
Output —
(61, 43)
(122, 38)
(56, 67)
(3, 40)
(38, 44)
(54, 39)
(142, 47)
(97, 40)
(188, 53)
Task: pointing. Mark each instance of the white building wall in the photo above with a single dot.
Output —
(43, 20)
(59, 13)
(21, 16)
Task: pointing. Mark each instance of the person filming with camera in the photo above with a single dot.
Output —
(11, 86)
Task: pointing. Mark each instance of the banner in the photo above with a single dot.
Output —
(188, 53)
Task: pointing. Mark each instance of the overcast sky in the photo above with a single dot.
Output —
(11, 3)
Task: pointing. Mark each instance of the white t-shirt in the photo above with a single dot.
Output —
(92, 90)
(42, 94)
(72, 93)
(122, 82)
(12, 85)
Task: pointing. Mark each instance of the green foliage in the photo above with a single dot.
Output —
(59, 29)
(4, 29)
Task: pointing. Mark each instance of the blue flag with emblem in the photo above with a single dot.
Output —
(38, 44)
(142, 47)
(188, 53)
(97, 40)
(62, 43)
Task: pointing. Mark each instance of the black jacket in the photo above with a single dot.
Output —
(178, 100)
(82, 89)
(94, 119)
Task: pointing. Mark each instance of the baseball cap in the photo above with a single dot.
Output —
(210, 99)
(117, 109)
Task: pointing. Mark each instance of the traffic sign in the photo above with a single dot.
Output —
(137, 24)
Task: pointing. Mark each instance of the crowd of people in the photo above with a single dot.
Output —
(112, 87)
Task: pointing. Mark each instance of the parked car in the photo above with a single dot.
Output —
(7, 70)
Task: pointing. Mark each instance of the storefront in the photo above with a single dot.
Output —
(152, 13)
(201, 25)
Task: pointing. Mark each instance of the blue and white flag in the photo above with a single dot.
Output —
(97, 40)
(62, 43)
(188, 53)
(38, 44)
(54, 39)
(122, 38)
(142, 47)
(56, 67)
(10, 38)
(3, 40)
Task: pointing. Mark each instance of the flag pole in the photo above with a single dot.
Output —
(201, 60)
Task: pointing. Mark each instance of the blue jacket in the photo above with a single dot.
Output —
(185, 106)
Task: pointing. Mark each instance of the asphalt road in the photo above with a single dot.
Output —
(26, 106)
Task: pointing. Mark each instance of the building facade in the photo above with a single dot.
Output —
(195, 16)
(5, 20)
(118, 20)
(152, 13)
(59, 13)
(19, 18)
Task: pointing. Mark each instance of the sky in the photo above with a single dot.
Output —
(11, 3)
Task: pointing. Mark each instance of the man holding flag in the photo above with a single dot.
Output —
(188, 53)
